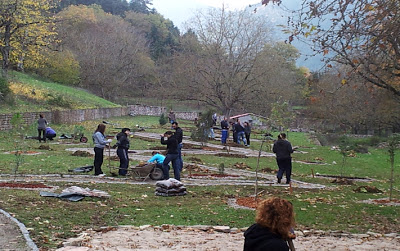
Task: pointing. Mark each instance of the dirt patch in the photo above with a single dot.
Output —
(241, 165)
(268, 170)
(367, 189)
(44, 147)
(249, 202)
(231, 155)
(196, 168)
(80, 153)
(342, 181)
(385, 202)
(23, 185)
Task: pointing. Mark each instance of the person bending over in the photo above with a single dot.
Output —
(158, 158)
(50, 133)
(273, 227)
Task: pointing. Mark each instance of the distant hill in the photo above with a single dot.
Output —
(33, 94)
(278, 17)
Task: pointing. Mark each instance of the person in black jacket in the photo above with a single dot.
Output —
(179, 136)
(282, 148)
(122, 150)
(172, 155)
(274, 223)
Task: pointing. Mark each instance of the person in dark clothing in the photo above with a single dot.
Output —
(224, 130)
(282, 148)
(122, 150)
(240, 136)
(172, 155)
(247, 132)
(179, 136)
(274, 223)
(42, 123)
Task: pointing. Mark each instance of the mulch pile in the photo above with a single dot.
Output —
(247, 202)
(268, 170)
(342, 181)
(241, 166)
(367, 189)
(80, 153)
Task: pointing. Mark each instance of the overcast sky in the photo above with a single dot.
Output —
(180, 11)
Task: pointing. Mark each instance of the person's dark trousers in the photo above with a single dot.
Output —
(224, 136)
(98, 160)
(248, 138)
(123, 161)
(234, 137)
(40, 132)
(174, 159)
(285, 166)
(180, 163)
(50, 136)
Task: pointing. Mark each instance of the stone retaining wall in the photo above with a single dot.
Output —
(74, 116)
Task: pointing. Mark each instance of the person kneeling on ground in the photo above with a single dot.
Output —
(172, 155)
(50, 133)
(273, 227)
(158, 158)
(122, 151)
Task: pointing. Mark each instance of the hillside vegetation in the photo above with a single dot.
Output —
(32, 94)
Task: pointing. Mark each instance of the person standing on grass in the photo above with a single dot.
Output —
(240, 133)
(273, 228)
(247, 132)
(42, 124)
(172, 155)
(179, 136)
(283, 150)
(122, 150)
(99, 143)
(171, 116)
(224, 130)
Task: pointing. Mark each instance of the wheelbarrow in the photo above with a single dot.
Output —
(146, 171)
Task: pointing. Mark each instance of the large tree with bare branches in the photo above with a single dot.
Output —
(361, 34)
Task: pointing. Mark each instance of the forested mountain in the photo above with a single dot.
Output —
(229, 61)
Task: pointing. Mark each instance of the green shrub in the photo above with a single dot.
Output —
(61, 67)
(162, 120)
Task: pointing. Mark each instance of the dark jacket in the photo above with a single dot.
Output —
(259, 238)
(238, 128)
(224, 125)
(179, 134)
(172, 144)
(123, 141)
(247, 129)
(283, 149)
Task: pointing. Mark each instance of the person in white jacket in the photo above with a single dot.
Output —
(99, 143)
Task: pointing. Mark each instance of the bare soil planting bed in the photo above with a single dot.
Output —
(212, 175)
(23, 185)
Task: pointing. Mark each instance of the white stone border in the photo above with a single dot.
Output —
(23, 229)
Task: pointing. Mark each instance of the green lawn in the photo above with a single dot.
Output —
(336, 208)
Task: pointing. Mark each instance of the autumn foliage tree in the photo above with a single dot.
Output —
(25, 27)
(361, 34)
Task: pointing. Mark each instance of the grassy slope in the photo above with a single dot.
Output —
(48, 96)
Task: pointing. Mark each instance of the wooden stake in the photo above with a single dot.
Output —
(312, 172)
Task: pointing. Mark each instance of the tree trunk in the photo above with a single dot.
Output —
(5, 50)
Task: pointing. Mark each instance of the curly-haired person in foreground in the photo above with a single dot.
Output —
(274, 222)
